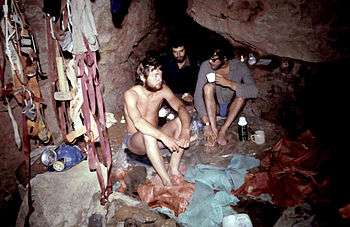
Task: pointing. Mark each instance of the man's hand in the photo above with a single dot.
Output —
(187, 98)
(171, 143)
(222, 81)
(210, 135)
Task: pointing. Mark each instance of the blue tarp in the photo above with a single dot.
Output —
(212, 199)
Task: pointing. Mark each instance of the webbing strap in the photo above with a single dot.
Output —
(87, 72)
(26, 152)
(101, 123)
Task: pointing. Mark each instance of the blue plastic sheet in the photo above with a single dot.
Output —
(211, 200)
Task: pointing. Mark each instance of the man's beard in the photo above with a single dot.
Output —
(180, 60)
(217, 66)
(153, 89)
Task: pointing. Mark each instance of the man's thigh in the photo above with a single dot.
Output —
(137, 144)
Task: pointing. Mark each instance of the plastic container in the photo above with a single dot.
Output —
(62, 158)
(68, 155)
(237, 220)
(242, 129)
(196, 125)
(48, 157)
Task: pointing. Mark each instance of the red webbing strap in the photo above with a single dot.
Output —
(91, 63)
(26, 152)
(94, 163)
(2, 76)
(101, 126)
(2, 61)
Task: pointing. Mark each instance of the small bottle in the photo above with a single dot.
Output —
(242, 129)
(196, 125)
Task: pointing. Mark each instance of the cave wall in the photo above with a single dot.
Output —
(122, 49)
(312, 31)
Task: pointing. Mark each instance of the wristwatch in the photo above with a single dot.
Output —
(207, 123)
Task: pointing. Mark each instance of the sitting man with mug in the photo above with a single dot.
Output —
(229, 84)
(142, 104)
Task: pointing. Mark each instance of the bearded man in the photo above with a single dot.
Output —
(141, 107)
(180, 70)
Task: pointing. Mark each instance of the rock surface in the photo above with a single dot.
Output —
(307, 30)
(123, 49)
(63, 198)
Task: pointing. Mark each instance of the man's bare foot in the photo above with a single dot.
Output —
(193, 138)
(176, 177)
(221, 139)
(175, 173)
(210, 143)
(167, 182)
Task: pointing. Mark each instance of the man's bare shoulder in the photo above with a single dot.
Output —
(133, 92)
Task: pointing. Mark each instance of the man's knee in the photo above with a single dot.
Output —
(136, 144)
(240, 99)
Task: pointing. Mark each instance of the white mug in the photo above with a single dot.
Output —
(258, 137)
(211, 77)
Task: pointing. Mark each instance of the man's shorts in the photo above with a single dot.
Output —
(224, 97)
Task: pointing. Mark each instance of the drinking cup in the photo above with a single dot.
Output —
(258, 137)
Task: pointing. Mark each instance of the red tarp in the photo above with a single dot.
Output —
(287, 172)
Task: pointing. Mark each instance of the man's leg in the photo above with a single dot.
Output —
(234, 109)
(156, 159)
(210, 104)
(173, 128)
(142, 144)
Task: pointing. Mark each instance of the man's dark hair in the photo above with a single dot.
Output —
(177, 42)
(221, 50)
(220, 53)
(151, 60)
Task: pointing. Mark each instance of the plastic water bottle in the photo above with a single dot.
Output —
(196, 124)
(242, 129)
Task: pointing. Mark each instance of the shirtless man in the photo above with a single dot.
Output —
(142, 104)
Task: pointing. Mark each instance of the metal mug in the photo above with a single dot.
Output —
(258, 137)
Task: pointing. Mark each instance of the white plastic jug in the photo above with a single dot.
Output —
(237, 220)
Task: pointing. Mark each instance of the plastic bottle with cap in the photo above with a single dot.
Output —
(196, 125)
(251, 59)
(242, 129)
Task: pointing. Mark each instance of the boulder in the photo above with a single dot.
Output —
(69, 198)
